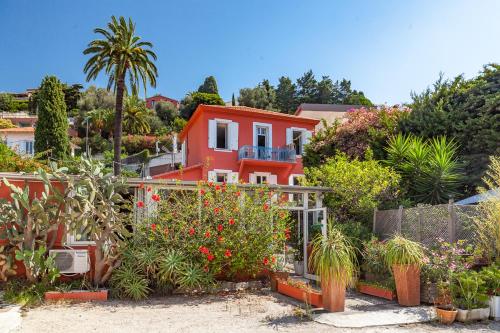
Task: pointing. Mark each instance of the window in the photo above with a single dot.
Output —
(28, 147)
(297, 141)
(221, 177)
(221, 136)
(261, 179)
(153, 104)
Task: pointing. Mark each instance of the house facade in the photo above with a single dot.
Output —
(235, 143)
(19, 139)
(151, 101)
(328, 112)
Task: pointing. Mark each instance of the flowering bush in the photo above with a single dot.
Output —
(136, 143)
(374, 265)
(222, 229)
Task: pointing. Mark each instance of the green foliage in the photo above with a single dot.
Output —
(41, 266)
(209, 86)
(178, 124)
(285, 95)
(167, 112)
(357, 232)
(72, 95)
(51, 132)
(96, 98)
(488, 217)
(134, 118)
(468, 290)
(373, 264)
(192, 100)
(21, 292)
(491, 277)
(402, 251)
(6, 123)
(263, 96)
(12, 162)
(429, 169)
(7, 265)
(6, 102)
(128, 281)
(134, 144)
(357, 187)
(465, 110)
(334, 257)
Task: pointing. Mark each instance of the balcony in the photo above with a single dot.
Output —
(274, 154)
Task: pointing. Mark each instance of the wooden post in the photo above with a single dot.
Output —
(420, 223)
(452, 219)
(400, 218)
(374, 228)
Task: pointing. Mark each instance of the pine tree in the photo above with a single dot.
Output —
(209, 86)
(51, 131)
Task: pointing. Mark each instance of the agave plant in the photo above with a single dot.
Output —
(402, 251)
(171, 267)
(128, 281)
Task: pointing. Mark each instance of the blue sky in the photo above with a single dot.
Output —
(386, 48)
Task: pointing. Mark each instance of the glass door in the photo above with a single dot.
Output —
(262, 142)
(314, 223)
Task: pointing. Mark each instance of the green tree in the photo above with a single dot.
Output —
(209, 86)
(121, 54)
(6, 102)
(135, 116)
(307, 88)
(192, 100)
(326, 90)
(263, 96)
(357, 98)
(72, 94)
(96, 98)
(166, 111)
(285, 95)
(233, 100)
(51, 133)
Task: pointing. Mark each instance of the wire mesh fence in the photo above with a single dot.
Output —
(427, 224)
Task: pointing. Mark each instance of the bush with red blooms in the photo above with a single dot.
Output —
(220, 228)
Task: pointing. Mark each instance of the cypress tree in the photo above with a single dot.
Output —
(51, 131)
(233, 101)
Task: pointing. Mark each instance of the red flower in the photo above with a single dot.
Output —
(216, 210)
(191, 231)
(231, 221)
(204, 250)
(220, 239)
(238, 193)
(202, 191)
(207, 234)
(210, 184)
(153, 227)
(287, 236)
(265, 207)
(141, 185)
(140, 204)
(205, 203)
(273, 259)
(227, 254)
(149, 188)
(217, 187)
(155, 197)
(210, 257)
(265, 261)
(220, 227)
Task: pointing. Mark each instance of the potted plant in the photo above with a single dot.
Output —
(405, 258)
(491, 277)
(468, 291)
(301, 291)
(333, 258)
(445, 311)
(298, 262)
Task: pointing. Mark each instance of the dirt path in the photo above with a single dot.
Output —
(245, 312)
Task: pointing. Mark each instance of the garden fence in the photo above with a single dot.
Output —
(427, 224)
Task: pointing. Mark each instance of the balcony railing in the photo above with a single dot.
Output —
(284, 154)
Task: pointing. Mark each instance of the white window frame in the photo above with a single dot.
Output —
(229, 175)
(269, 133)
(231, 126)
(292, 177)
(72, 241)
(303, 137)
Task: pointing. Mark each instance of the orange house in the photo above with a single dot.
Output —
(236, 143)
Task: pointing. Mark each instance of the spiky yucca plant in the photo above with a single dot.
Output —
(402, 251)
(334, 257)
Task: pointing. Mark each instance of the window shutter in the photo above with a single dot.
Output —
(212, 133)
(273, 179)
(212, 176)
(289, 137)
(183, 153)
(251, 178)
(233, 177)
(233, 135)
(307, 137)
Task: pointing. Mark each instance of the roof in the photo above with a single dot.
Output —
(244, 111)
(18, 130)
(480, 197)
(326, 107)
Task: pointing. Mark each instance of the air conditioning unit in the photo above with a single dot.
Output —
(71, 261)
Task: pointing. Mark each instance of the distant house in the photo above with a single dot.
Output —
(151, 101)
(20, 119)
(329, 112)
(20, 139)
(236, 143)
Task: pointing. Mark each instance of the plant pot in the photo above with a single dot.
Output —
(298, 267)
(474, 314)
(495, 307)
(446, 316)
(309, 297)
(275, 276)
(407, 279)
(77, 295)
(333, 295)
(376, 291)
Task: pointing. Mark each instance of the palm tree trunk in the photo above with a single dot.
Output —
(117, 135)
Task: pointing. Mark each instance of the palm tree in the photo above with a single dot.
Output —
(134, 119)
(122, 56)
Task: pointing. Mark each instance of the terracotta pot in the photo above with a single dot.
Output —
(407, 279)
(275, 276)
(310, 297)
(377, 291)
(446, 316)
(333, 295)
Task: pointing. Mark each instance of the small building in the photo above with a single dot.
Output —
(20, 139)
(329, 112)
(20, 119)
(237, 143)
(151, 101)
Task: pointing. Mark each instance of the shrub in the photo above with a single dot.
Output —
(402, 251)
(134, 144)
(468, 290)
(357, 187)
(11, 162)
(373, 264)
(6, 123)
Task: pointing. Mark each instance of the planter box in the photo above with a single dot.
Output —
(302, 295)
(277, 276)
(376, 291)
(495, 307)
(407, 278)
(77, 295)
(474, 314)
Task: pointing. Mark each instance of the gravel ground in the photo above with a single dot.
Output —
(240, 312)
